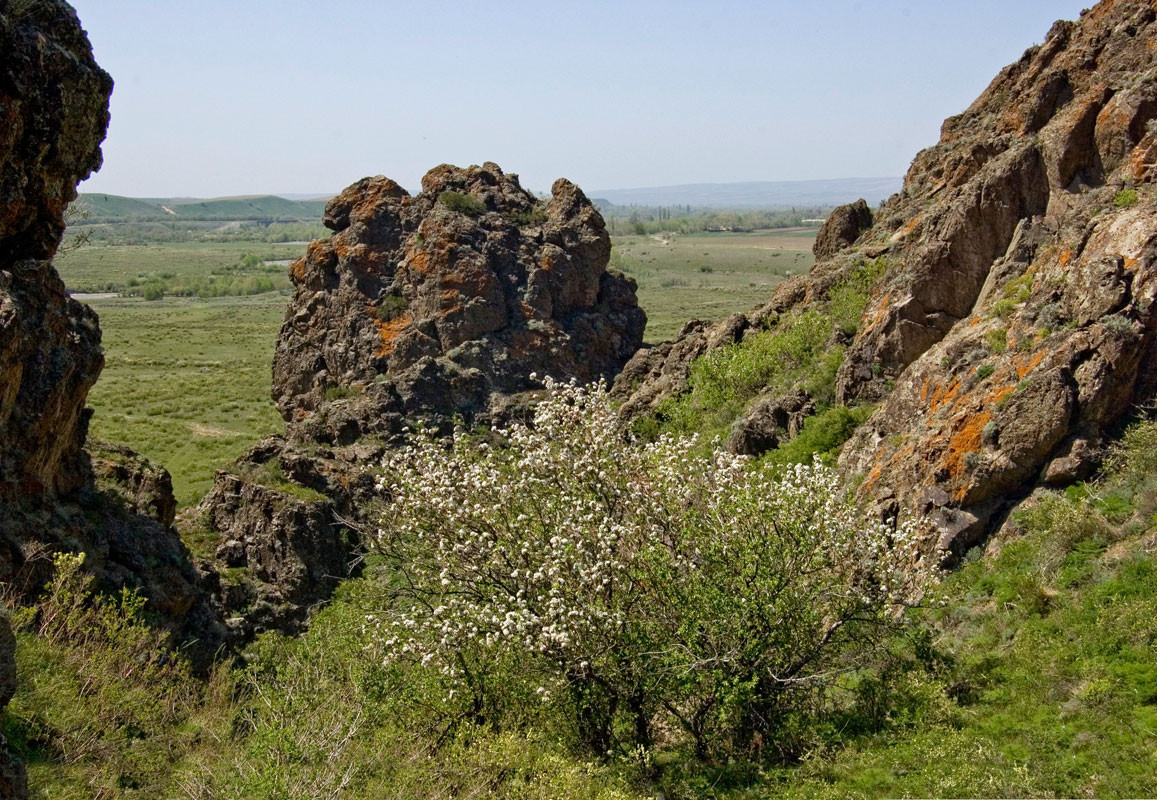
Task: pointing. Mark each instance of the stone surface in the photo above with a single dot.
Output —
(440, 303)
(841, 229)
(1013, 322)
(54, 495)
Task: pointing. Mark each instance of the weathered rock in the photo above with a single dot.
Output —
(439, 303)
(769, 421)
(54, 103)
(1013, 322)
(418, 311)
(283, 516)
(841, 229)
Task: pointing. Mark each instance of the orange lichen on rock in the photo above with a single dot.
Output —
(968, 438)
(1024, 364)
(1143, 157)
(389, 332)
(945, 394)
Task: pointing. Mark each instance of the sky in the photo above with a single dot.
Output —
(225, 97)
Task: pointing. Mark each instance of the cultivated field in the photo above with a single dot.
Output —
(187, 380)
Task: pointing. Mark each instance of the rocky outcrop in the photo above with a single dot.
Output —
(419, 310)
(54, 101)
(841, 229)
(1012, 323)
(54, 495)
(445, 302)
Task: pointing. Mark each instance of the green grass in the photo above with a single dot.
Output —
(800, 350)
(708, 276)
(1125, 198)
(107, 268)
(186, 382)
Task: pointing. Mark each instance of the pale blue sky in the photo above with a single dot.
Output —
(219, 97)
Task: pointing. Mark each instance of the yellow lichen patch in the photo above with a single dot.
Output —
(878, 314)
(1065, 257)
(974, 321)
(924, 390)
(297, 270)
(906, 228)
(389, 332)
(420, 261)
(1141, 160)
(1000, 393)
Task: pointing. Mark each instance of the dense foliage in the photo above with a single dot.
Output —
(652, 588)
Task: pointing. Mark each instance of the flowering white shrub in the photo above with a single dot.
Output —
(641, 579)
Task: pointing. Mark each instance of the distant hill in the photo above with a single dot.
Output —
(756, 194)
(111, 207)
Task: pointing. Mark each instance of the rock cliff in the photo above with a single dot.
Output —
(54, 493)
(1012, 323)
(419, 310)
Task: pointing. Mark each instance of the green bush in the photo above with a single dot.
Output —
(821, 436)
(800, 350)
(466, 204)
(103, 705)
(634, 587)
(1125, 198)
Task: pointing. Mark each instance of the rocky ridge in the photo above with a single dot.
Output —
(418, 311)
(1013, 322)
(58, 491)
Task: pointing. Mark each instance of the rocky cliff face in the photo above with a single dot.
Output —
(1013, 323)
(418, 310)
(54, 494)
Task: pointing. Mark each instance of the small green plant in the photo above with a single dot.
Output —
(1003, 308)
(338, 392)
(391, 307)
(984, 370)
(466, 204)
(532, 217)
(1125, 198)
(997, 340)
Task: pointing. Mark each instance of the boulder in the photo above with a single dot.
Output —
(841, 229)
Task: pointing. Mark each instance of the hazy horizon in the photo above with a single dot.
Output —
(281, 98)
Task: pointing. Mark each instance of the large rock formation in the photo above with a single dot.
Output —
(417, 311)
(1014, 320)
(54, 104)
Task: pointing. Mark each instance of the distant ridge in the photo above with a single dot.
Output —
(111, 207)
(757, 194)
